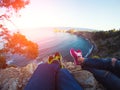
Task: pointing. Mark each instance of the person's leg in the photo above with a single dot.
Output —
(94, 63)
(65, 81)
(116, 64)
(106, 78)
(105, 64)
(113, 65)
(44, 77)
(116, 69)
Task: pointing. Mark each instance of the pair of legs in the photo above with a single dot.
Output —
(52, 77)
(103, 70)
(106, 71)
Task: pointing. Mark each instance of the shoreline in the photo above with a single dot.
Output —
(105, 43)
(89, 39)
(91, 49)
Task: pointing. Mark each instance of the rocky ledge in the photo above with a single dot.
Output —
(16, 78)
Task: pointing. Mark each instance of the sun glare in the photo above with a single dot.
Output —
(37, 33)
(32, 21)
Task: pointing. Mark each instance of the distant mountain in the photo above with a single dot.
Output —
(78, 29)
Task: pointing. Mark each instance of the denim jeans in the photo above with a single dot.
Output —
(43, 77)
(51, 77)
(104, 72)
(65, 81)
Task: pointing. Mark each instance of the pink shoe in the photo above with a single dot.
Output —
(75, 55)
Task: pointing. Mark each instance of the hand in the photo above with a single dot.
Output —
(113, 61)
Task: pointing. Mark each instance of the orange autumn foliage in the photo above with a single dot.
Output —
(19, 44)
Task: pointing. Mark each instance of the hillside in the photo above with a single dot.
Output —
(106, 42)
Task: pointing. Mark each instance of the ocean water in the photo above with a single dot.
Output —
(63, 42)
(50, 42)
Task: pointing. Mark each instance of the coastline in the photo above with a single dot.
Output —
(105, 43)
(89, 39)
(91, 49)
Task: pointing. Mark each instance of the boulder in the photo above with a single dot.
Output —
(15, 78)
(84, 77)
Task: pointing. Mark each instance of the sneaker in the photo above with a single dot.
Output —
(75, 55)
(50, 59)
(58, 57)
(79, 53)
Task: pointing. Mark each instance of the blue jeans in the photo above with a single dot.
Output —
(43, 78)
(65, 81)
(104, 72)
(51, 77)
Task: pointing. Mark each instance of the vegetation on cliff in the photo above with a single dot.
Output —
(107, 42)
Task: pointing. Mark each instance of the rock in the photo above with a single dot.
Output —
(71, 67)
(8, 78)
(84, 77)
(15, 78)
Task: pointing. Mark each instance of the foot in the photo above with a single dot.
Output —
(50, 59)
(76, 55)
(58, 57)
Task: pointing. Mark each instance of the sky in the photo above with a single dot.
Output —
(92, 14)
